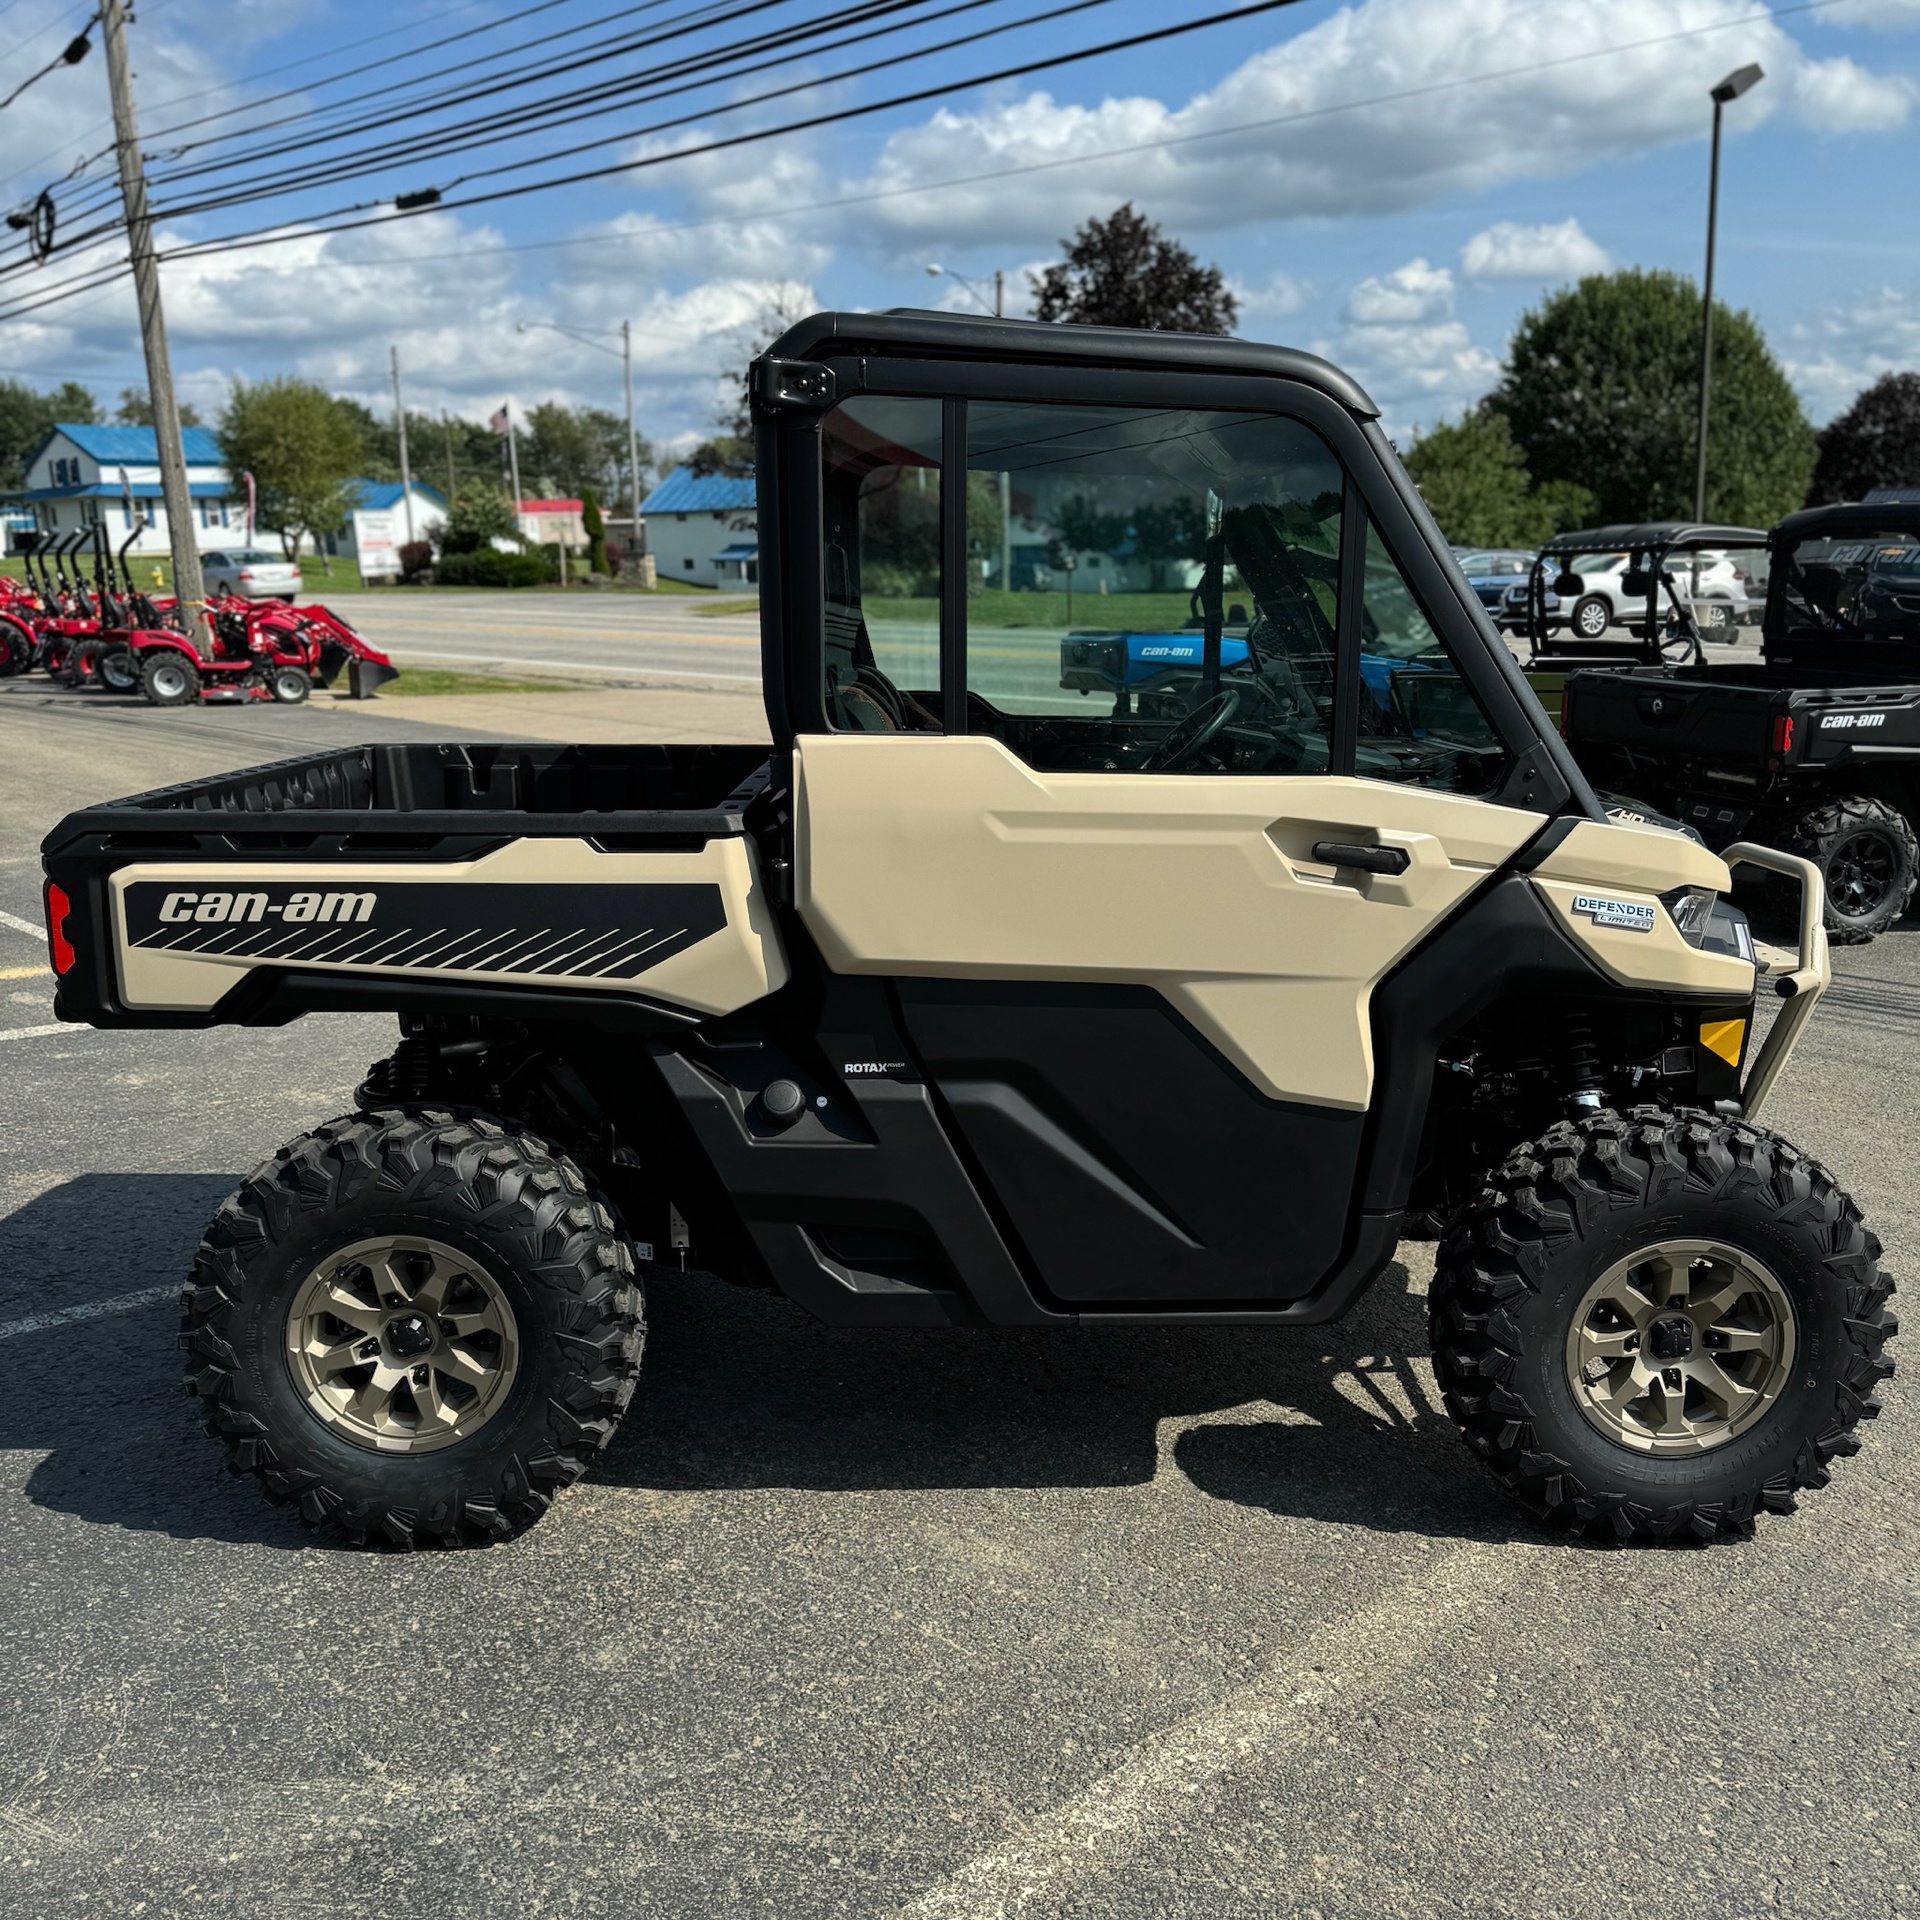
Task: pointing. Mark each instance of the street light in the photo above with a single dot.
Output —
(1731, 88)
(624, 354)
(998, 310)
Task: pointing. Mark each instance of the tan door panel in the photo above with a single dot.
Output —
(951, 857)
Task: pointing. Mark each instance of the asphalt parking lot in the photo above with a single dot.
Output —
(962, 1625)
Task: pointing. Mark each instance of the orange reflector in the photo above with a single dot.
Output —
(1723, 1037)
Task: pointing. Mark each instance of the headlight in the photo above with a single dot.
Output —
(1708, 922)
(1690, 909)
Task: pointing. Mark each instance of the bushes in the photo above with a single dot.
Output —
(416, 559)
(489, 567)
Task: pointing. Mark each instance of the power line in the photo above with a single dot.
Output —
(285, 235)
(567, 108)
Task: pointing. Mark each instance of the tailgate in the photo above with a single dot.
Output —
(500, 881)
(1655, 713)
(1858, 726)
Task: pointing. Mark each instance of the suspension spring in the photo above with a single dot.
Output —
(1581, 1058)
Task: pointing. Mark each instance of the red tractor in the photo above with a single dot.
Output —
(258, 652)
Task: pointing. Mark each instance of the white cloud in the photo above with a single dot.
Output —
(1508, 251)
(1402, 342)
(1407, 296)
(1523, 109)
(1849, 345)
(1275, 298)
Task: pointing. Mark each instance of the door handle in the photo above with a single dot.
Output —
(1339, 853)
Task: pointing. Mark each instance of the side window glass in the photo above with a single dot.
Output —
(1151, 589)
(880, 485)
(1419, 721)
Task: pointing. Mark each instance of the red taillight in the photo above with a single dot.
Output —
(245, 575)
(1783, 733)
(58, 945)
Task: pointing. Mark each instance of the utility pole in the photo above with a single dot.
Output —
(446, 427)
(406, 472)
(633, 438)
(189, 590)
(1731, 88)
(513, 462)
(936, 271)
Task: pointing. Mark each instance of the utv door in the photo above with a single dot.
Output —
(1132, 756)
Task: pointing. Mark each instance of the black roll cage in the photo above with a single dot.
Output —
(1647, 547)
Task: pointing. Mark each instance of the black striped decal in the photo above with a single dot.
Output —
(576, 932)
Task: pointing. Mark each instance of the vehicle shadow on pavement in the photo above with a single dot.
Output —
(744, 1390)
(1338, 1423)
(101, 1398)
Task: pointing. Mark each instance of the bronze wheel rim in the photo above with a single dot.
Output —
(401, 1344)
(1680, 1347)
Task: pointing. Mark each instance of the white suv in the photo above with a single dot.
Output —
(1716, 584)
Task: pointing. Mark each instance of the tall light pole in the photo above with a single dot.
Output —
(999, 311)
(406, 469)
(188, 588)
(1731, 88)
(624, 354)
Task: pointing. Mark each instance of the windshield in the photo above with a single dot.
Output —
(1866, 587)
(1484, 565)
(252, 559)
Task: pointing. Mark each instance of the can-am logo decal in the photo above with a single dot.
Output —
(1853, 720)
(594, 932)
(1628, 915)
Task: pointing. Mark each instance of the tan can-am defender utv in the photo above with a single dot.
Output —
(1000, 994)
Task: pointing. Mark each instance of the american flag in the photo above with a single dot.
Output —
(499, 422)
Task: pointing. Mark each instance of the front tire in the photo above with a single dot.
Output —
(416, 1325)
(1869, 858)
(118, 671)
(1656, 1327)
(169, 679)
(289, 685)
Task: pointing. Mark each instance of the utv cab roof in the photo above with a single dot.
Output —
(1869, 517)
(912, 333)
(1663, 534)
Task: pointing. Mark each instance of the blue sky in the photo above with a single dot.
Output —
(1389, 182)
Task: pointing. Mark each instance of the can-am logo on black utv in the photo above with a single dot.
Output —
(1628, 915)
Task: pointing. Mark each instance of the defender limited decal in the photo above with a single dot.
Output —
(1627, 915)
(577, 932)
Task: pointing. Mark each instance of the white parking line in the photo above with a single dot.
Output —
(27, 927)
(87, 1310)
(39, 1033)
(1170, 1775)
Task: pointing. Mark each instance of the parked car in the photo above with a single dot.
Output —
(250, 573)
(1716, 582)
(1495, 574)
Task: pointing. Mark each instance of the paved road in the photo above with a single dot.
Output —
(625, 635)
(1136, 1625)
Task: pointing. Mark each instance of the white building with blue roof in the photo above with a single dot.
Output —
(701, 528)
(80, 475)
(383, 519)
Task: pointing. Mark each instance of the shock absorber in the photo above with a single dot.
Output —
(1581, 1061)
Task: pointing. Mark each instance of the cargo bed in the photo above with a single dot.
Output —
(544, 881)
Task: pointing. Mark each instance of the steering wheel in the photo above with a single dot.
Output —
(1192, 732)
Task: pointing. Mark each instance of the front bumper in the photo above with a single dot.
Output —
(1801, 988)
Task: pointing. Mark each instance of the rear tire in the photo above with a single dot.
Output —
(1530, 1355)
(512, 1299)
(1592, 616)
(1869, 858)
(289, 685)
(119, 672)
(169, 679)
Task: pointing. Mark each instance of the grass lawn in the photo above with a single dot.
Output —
(720, 607)
(430, 680)
(1124, 612)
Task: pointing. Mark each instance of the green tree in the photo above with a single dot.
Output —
(596, 526)
(1602, 390)
(26, 415)
(302, 448)
(1875, 443)
(1475, 479)
(136, 410)
(1124, 272)
(479, 515)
